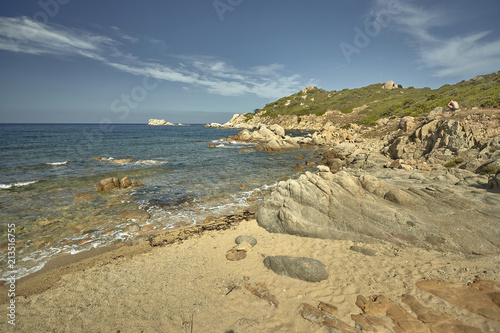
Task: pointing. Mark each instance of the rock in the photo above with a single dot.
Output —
(323, 168)
(306, 269)
(481, 297)
(325, 318)
(134, 227)
(389, 85)
(368, 209)
(135, 214)
(157, 122)
(363, 250)
(299, 157)
(244, 238)
(147, 228)
(243, 246)
(277, 129)
(245, 150)
(277, 145)
(211, 145)
(123, 160)
(108, 184)
(85, 197)
(119, 199)
(262, 291)
(46, 222)
(125, 182)
(382, 315)
(112, 183)
(236, 255)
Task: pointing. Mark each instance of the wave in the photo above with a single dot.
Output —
(57, 163)
(18, 184)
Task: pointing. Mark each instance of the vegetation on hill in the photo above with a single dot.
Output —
(481, 91)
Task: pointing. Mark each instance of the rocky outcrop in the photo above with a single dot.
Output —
(438, 138)
(113, 183)
(162, 122)
(419, 211)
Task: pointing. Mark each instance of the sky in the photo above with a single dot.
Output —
(201, 61)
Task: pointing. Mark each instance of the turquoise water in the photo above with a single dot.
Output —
(43, 167)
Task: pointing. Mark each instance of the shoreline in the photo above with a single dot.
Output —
(43, 279)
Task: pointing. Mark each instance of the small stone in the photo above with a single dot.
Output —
(212, 145)
(299, 157)
(323, 168)
(147, 228)
(135, 214)
(245, 150)
(208, 219)
(243, 246)
(45, 222)
(363, 250)
(243, 238)
(235, 255)
(134, 227)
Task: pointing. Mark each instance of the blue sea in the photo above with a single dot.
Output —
(43, 167)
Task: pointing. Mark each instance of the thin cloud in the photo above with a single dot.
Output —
(465, 55)
(215, 76)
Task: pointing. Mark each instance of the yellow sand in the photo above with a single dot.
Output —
(168, 288)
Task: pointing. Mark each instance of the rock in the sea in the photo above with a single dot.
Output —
(244, 238)
(85, 197)
(306, 269)
(135, 214)
(113, 183)
(134, 227)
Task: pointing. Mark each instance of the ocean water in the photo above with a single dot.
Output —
(43, 167)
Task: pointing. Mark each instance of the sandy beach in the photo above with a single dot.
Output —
(190, 286)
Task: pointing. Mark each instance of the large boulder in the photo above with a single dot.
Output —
(368, 209)
(306, 269)
(277, 145)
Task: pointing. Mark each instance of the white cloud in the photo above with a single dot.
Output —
(465, 55)
(214, 75)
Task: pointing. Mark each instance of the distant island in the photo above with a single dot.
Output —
(162, 122)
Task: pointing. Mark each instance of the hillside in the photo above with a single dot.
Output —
(374, 102)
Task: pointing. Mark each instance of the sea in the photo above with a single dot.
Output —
(44, 166)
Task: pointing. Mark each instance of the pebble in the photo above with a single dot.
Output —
(248, 239)
(134, 227)
(243, 246)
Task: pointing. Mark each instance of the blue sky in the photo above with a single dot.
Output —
(125, 61)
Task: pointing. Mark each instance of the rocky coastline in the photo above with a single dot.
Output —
(407, 207)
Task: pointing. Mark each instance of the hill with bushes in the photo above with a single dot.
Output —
(376, 102)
